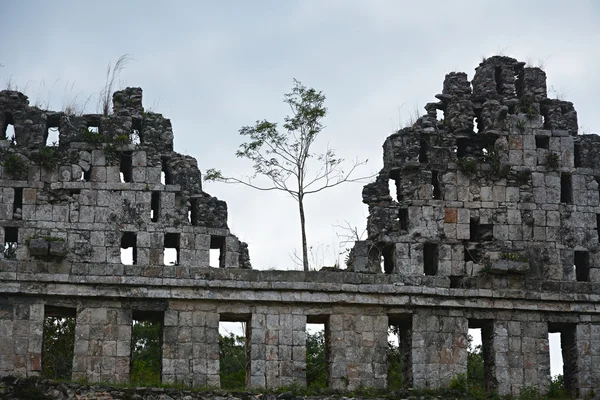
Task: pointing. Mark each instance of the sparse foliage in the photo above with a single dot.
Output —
(58, 347)
(112, 74)
(286, 158)
(146, 354)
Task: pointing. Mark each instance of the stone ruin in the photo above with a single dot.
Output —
(492, 223)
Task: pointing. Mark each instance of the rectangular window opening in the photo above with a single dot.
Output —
(146, 347)
(430, 258)
(499, 80)
(136, 131)
(171, 249)
(403, 218)
(8, 128)
(566, 188)
(126, 166)
(598, 226)
(154, 206)
(86, 176)
(193, 211)
(18, 201)
(165, 175)
(423, 151)
(476, 125)
(399, 356)
(58, 342)
(318, 352)
(93, 129)
(461, 147)
(565, 335)
(542, 142)
(11, 242)
(577, 155)
(387, 258)
(52, 136)
(435, 183)
(470, 255)
(217, 251)
(129, 248)
(480, 357)
(480, 232)
(582, 266)
(234, 346)
(394, 186)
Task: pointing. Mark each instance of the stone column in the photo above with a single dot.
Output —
(521, 356)
(588, 358)
(102, 344)
(21, 328)
(357, 351)
(190, 345)
(439, 348)
(277, 349)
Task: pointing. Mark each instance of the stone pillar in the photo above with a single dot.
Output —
(588, 358)
(190, 345)
(277, 349)
(102, 344)
(21, 328)
(358, 351)
(439, 348)
(521, 356)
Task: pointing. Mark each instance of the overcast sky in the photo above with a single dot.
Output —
(213, 67)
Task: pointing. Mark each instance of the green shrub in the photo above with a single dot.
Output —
(14, 165)
(46, 157)
(467, 164)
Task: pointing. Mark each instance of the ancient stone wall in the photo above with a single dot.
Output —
(491, 223)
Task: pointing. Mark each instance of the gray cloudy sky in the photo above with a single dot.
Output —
(212, 67)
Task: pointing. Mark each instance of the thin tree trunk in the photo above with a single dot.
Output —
(302, 226)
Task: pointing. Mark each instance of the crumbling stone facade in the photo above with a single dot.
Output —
(491, 223)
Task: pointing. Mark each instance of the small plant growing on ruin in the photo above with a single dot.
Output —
(552, 160)
(493, 158)
(46, 157)
(14, 165)
(514, 257)
(468, 165)
(521, 125)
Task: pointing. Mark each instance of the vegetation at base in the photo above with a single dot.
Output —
(14, 165)
(316, 371)
(232, 354)
(46, 157)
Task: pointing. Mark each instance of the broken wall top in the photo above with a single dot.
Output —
(110, 182)
(493, 183)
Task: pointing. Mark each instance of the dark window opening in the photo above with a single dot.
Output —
(499, 80)
(480, 232)
(542, 142)
(146, 347)
(129, 248)
(423, 150)
(435, 183)
(165, 176)
(58, 342)
(126, 166)
(399, 356)
(569, 351)
(566, 188)
(154, 206)
(470, 254)
(8, 129)
(388, 259)
(430, 258)
(598, 226)
(582, 266)
(11, 242)
(234, 346)
(171, 249)
(461, 148)
(481, 337)
(577, 155)
(318, 351)
(217, 251)
(86, 176)
(403, 218)
(395, 186)
(193, 211)
(18, 201)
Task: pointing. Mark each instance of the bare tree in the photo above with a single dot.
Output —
(284, 157)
